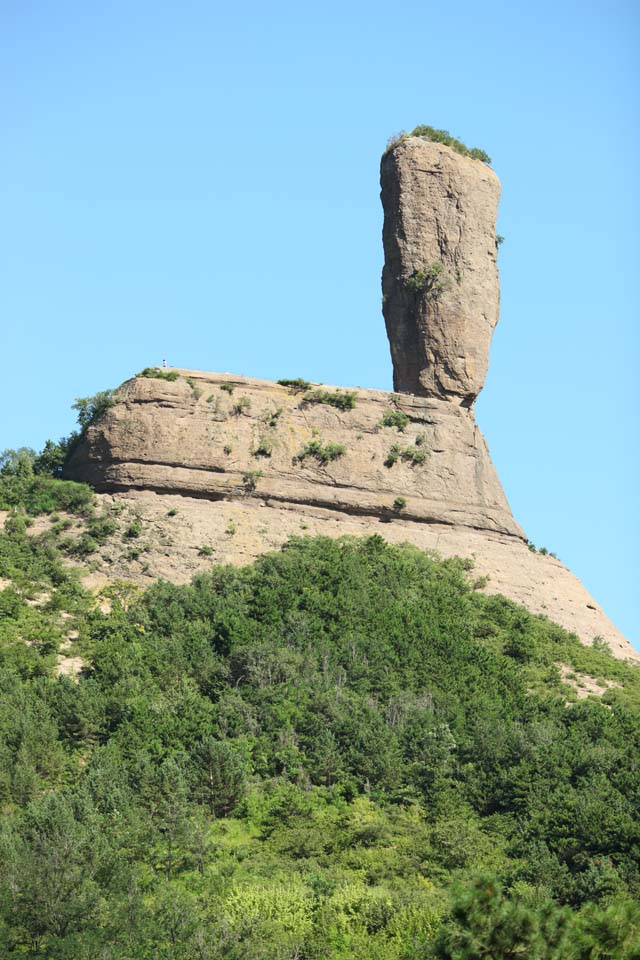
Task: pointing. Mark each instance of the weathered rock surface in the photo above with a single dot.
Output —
(202, 441)
(215, 463)
(184, 467)
(440, 213)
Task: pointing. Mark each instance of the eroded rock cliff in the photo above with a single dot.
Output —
(216, 465)
(440, 287)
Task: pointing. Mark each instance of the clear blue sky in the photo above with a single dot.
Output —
(199, 181)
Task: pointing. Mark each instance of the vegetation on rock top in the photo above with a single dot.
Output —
(441, 136)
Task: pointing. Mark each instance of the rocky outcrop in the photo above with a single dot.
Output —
(440, 286)
(215, 436)
(197, 466)
(251, 463)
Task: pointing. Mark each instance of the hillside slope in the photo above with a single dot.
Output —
(235, 466)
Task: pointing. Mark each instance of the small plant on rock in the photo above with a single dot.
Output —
(227, 387)
(413, 455)
(323, 453)
(156, 373)
(250, 479)
(395, 418)
(241, 406)
(264, 448)
(399, 504)
(297, 385)
(197, 392)
(431, 281)
(342, 399)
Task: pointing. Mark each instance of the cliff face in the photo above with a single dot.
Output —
(189, 465)
(203, 441)
(243, 464)
(440, 287)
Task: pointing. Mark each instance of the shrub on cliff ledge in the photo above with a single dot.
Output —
(341, 399)
(155, 373)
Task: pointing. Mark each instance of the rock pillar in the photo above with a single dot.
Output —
(440, 286)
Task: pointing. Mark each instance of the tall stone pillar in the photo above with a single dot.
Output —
(440, 285)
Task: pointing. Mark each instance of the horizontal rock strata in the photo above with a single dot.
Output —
(200, 466)
(203, 441)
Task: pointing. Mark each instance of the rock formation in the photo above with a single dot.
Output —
(217, 463)
(440, 286)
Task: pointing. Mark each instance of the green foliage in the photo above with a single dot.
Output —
(157, 373)
(443, 136)
(297, 385)
(413, 455)
(272, 418)
(242, 405)
(399, 504)
(342, 399)
(133, 531)
(264, 448)
(395, 418)
(250, 479)
(25, 486)
(431, 281)
(323, 452)
(227, 387)
(205, 551)
(90, 409)
(341, 751)
(196, 390)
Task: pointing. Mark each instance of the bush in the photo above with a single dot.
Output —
(412, 455)
(157, 373)
(298, 385)
(197, 392)
(399, 504)
(242, 405)
(90, 409)
(134, 530)
(227, 388)
(429, 281)
(342, 399)
(324, 453)
(395, 418)
(250, 479)
(264, 448)
(35, 492)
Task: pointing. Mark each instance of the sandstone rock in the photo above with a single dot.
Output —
(439, 215)
(213, 464)
(169, 437)
(185, 467)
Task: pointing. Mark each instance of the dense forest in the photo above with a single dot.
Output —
(343, 751)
